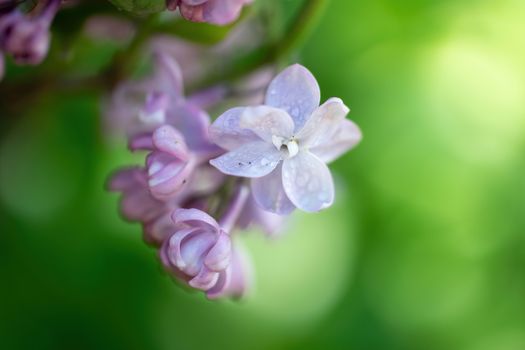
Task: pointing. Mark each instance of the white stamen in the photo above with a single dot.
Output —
(288, 147)
(157, 117)
(293, 148)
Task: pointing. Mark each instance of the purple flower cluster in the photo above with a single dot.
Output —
(202, 182)
(25, 36)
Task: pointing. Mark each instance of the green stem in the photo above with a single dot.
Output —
(124, 62)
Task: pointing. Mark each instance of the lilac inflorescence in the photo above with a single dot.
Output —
(202, 182)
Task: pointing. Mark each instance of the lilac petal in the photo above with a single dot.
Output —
(174, 247)
(222, 12)
(323, 123)
(141, 142)
(237, 279)
(219, 256)
(157, 230)
(167, 175)
(136, 204)
(154, 109)
(219, 12)
(220, 289)
(205, 280)
(194, 2)
(193, 123)
(227, 133)
(169, 140)
(255, 159)
(267, 122)
(296, 91)
(206, 99)
(307, 182)
(254, 216)
(269, 194)
(126, 178)
(346, 137)
(140, 206)
(205, 180)
(193, 249)
(168, 75)
(194, 217)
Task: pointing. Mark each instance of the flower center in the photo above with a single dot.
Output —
(154, 109)
(288, 147)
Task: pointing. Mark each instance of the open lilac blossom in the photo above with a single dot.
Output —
(219, 12)
(26, 37)
(284, 144)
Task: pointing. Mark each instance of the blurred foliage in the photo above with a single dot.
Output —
(140, 7)
(425, 248)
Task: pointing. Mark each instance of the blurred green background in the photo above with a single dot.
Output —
(424, 249)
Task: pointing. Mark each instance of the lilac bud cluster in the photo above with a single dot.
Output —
(202, 182)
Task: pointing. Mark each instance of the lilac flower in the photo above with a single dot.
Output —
(141, 107)
(200, 253)
(284, 145)
(138, 205)
(170, 164)
(219, 12)
(27, 38)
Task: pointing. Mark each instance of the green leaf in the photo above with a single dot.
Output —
(140, 7)
(202, 33)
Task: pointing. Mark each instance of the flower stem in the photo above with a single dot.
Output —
(123, 62)
(230, 217)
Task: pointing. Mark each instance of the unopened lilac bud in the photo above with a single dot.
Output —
(170, 164)
(28, 43)
(199, 252)
(26, 38)
(157, 230)
(136, 203)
